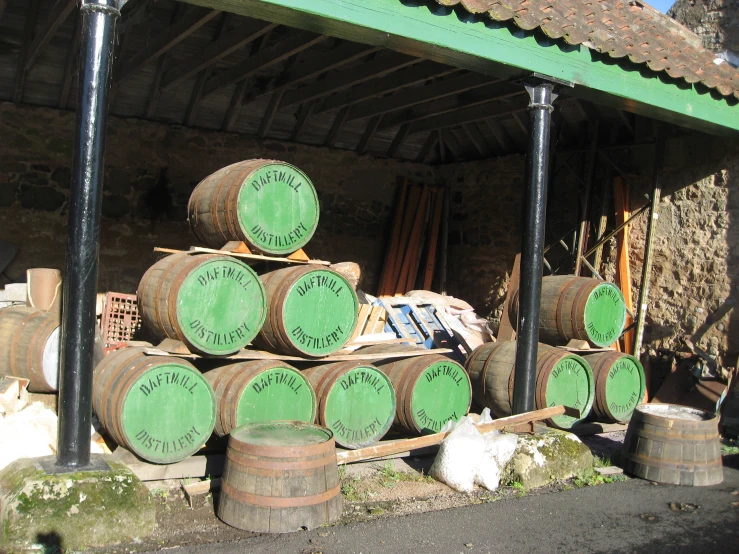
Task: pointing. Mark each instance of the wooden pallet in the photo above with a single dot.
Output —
(370, 321)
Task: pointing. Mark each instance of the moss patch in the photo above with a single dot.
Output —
(72, 510)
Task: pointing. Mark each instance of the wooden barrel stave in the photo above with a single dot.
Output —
(149, 404)
(356, 401)
(289, 396)
(26, 335)
(278, 216)
(315, 323)
(661, 446)
(214, 304)
(281, 485)
(430, 389)
(613, 400)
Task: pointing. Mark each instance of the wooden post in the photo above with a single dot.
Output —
(621, 203)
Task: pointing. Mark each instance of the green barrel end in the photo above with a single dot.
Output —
(570, 383)
(278, 208)
(168, 413)
(320, 312)
(360, 407)
(221, 306)
(441, 393)
(624, 389)
(281, 433)
(605, 314)
(278, 393)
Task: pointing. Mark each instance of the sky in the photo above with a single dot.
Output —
(661, 5)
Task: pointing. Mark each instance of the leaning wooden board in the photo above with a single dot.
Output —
(261, 355)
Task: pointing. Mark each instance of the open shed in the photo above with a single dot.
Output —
(364, 95)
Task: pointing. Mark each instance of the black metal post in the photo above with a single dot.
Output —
(532, 244)
(83, 235)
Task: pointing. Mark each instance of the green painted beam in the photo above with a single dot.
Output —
(425, 29)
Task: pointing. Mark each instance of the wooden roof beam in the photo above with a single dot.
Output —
(336, 83)
(336, 127)
(421, 72)
(228, 43)
(264, 59)
(496, 91)
(342, 55)
(20, 70)
(70, 63)
(303, 117)
(428, 144)
(453, 144)
(419, 95)
(398, 140)
(478, 139)
(467, 114)
(369, 134)
(3, 5)
(56, 17)
(501, 135)
(192, 20)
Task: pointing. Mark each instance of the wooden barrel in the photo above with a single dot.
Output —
(29, 346)
(355, 400)
(270, 205)
(673, 444)
(262, 390)
(160, 408)
(312, 311)
(430, 389)
(619, 385)
(562, 378)
(214, 304)
(578, 308)
(280, 477)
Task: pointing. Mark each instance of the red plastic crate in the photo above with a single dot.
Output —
(120, 319)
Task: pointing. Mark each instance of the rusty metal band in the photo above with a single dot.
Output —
(222, 382)
(483, 373)
(577, 312)
(682, 424)
(283, 451)
(162, 288)
(234, 385)
(188, 266)
(544, 366)
(284, 287)
(229, 207)
(215, 204)
(407, 378)
(560, 305)
(247, 462)
(601, 369)
(678, 437)
(276, 501)
(690, 466)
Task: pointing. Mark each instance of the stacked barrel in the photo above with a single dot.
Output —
(606, 385)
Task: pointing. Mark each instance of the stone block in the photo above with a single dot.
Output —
(547, 456)
(72, 511)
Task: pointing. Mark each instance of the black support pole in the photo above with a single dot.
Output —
(83, 235)
(532, 244)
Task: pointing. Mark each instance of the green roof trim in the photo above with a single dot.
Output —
(454, 36)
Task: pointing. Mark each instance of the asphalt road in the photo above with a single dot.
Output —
(633, 516)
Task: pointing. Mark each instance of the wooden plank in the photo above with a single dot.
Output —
(339, 56)
(388, 448)
(388, 268)
(336, 127)
(198, 489)
(262, 60)
(478, 139)
(507, 328)
(224, 45)
(3, 5)
(399, 138)
(501, 135)
(415, 96)
(274, 103)
(595, 428)
(410, 253)
(248, 354)
(191, 21)
(412, 204)
(453, 144)
(376, 321)
(417, 74)
(70, 70)
(256, 257)
(335, 83)
(369, 134)
(29, 25)
(364, 312)
(428, 144)
(303, 116)
(438, 204)
(621, 204)
(55, 18)
(200, 465)
(156, 86)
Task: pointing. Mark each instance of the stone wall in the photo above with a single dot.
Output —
(150, 171)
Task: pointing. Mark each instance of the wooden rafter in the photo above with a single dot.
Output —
(303, 116)
(501, 135)
(336, 127)
(442, 145)
(478, 139)
(3, 5)
(336, 83)
(247, 31)
(521, 122)
(482, 95)
(453, 144)
(473, 113)
(428, 144)
(419, 73)
(274, 102)
(412, 97)
(55, 18)
(627, 119)
(400, 136)
(203, 76)
(339, 56)
(155, 92)
(191, 21)
(28, 27)
(70, 63)
(264, 59)
(369, 134)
